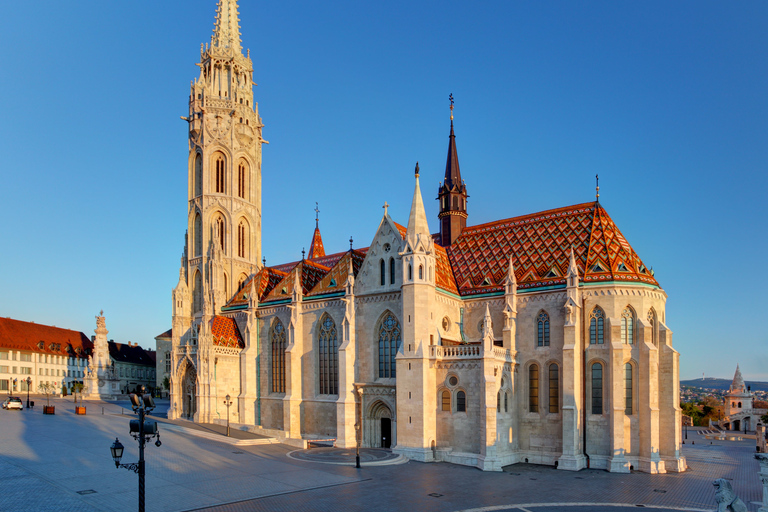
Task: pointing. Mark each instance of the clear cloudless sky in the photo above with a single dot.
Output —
(667, 101)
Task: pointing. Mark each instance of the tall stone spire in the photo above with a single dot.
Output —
(452, 194)
(226, 30)
(418, 229)
(737, 386)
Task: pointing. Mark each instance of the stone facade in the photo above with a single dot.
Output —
(537, 339)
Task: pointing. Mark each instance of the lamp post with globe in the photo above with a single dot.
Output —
(29, 383)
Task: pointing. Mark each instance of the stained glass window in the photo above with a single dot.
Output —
(554, 389)
(597, 388)
(543, 329)
(389, 342)
(278, 357)
(596, 326)
(628, 388)
(533, 388)
(328, 357)
(628, 326)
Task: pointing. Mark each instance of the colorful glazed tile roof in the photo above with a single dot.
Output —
(541, 243)
(336, 279)
(400, 228)
(266, 280)
(327, 261)
(444, 275)
(44, 339)
(310, 273)
(316, 249)
(225, 332)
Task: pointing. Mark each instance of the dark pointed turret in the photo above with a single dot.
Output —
(452, 195)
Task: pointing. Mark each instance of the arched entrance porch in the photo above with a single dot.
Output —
(188, 391)
(380, 426)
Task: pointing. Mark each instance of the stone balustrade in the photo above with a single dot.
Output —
(467, 352)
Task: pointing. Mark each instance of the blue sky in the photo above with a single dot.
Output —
(665, 100)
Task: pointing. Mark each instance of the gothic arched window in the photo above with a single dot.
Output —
(220, 183)
(242, 179)
(391, 270)
(533, 388)
(198, 177)
(197, 235)
(554, 389)
(382, 268)
(389, 342)
(596, 326)
(597, 388)
(219, 226)
(498, 401)
(627, 388)
(241, 239)
(328, 356)
(421, 272)
(197, 293)
(506, 401)
(278, 357)
(542, 336)
(628, 326)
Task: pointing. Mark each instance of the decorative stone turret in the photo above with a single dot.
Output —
(416, 401)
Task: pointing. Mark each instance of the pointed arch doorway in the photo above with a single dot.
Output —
(188, 392)
(380, 426)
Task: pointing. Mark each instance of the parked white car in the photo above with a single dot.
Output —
(13, 402)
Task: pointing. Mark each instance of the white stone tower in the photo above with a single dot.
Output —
(223, 243)
(224, 168)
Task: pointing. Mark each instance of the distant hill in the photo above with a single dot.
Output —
(724, 384)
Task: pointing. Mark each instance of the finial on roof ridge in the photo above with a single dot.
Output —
(317, 214)
(417, 169)
(450, 97)
(597, 188)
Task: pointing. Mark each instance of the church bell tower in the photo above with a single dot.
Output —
(224, 169)
(452, 195)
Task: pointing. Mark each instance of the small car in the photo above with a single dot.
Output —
(13, 402)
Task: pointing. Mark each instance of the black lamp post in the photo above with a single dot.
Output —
(227, 402)
(142, 431)
(357, 445)
(29, 383)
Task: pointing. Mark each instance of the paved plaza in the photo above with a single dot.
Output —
(62, 463)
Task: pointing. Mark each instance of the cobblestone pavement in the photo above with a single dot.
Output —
(46, 460)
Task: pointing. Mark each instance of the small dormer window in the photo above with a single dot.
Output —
(551, 273)
(597, 268)
(284, 290)
(333, 282)
(486, 282)
(642, 269)
(40, 345)
(622, 268)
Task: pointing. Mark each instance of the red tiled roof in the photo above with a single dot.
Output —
(541, 244)
(335, 280)
(266, 279)
(225, 332)
(310, 273)
(401, 229)
(443, 273)
(316, 249)
(45, 339)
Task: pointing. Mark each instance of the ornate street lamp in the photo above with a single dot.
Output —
(29, 383)
(227, 402)
(142, 431)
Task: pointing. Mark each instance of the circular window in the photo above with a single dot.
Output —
(446, 324)
(387, 247)
(480, 327)
(452, 380)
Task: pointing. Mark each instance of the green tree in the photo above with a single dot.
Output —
(166, 383)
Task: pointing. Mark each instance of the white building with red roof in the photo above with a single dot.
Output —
(540, 338)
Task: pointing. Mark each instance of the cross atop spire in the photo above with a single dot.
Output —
(597, 188)
(226, 30)
(317, 214)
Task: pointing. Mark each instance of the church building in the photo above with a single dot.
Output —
(540, 338)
